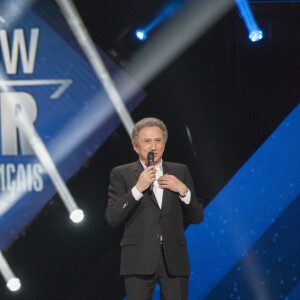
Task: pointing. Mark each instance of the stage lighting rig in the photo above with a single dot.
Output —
(167, 12)
(141, 35)
(255, 33)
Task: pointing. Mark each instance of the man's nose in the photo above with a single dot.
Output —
(153, 145)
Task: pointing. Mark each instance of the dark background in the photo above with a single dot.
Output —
(230, 94)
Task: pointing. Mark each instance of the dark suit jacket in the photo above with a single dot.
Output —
(145, 221)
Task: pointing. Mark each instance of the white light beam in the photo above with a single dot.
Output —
(12, 282)
(87, 45)
(44, 157)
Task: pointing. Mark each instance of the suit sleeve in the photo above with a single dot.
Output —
(193, 212)
(121, 202)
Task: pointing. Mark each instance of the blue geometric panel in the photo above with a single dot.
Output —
(294, 293)
(243, 212)
(271, 267)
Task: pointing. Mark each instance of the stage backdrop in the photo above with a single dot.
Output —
(248, 246)
(46, 75)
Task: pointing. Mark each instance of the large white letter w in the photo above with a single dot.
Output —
(11, 56)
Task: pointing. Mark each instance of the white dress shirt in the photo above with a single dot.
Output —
(158, 192)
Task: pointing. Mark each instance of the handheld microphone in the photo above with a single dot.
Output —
(150, 158)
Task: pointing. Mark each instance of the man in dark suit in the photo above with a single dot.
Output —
(153, 201)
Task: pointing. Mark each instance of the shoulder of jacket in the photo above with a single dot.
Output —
(125, 167)
(174, 165)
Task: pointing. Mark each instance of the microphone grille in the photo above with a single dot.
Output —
(150, 155)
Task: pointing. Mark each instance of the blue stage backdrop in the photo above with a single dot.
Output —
(45, 73)
(248, 246)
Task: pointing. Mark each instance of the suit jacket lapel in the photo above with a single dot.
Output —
(138, 169)
(166, 193)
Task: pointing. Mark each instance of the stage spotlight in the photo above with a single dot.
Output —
(255, 33)
(14, 284)
(77, 215)
(167, 12)
(141, 35)
(42, 153)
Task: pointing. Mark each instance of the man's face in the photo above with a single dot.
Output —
(150, 139)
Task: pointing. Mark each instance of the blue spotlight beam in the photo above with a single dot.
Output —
(192, 21)
(255, 33)
(167, 12)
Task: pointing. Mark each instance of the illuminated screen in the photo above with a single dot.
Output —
(45, 74)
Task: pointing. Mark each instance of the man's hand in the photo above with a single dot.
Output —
(171, 182)
(145, 179)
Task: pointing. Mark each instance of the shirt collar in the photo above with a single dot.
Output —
(158, 167)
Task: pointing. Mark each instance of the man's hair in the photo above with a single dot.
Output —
(148, 122)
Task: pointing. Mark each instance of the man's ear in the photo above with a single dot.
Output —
(135, 148)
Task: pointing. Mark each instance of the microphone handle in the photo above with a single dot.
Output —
(151, 163)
